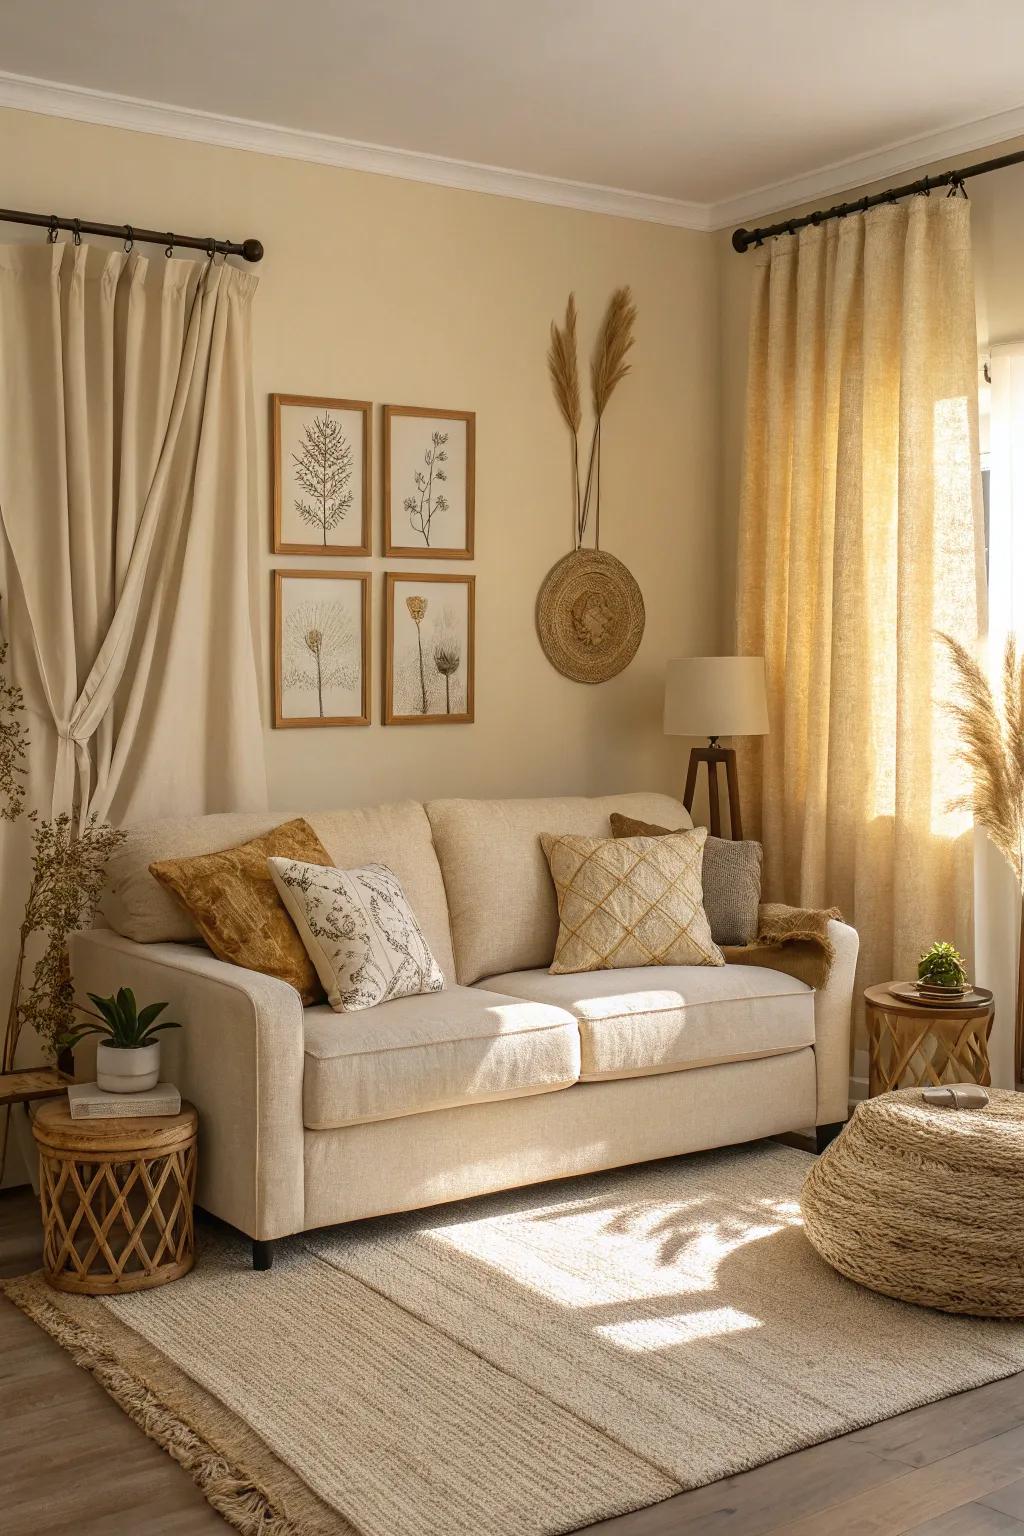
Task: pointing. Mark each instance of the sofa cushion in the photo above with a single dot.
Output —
(360, 932)
(440, 1049)
(136, 906)
(628, 902)
(500, 894)
(669, 1018)
(233, 901)
(731, 878)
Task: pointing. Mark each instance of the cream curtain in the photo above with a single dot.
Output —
(126, 490)
(860, 537)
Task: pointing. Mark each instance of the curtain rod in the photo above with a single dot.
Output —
(251, 250)
(743, 239)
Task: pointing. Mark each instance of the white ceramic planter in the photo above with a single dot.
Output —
(131, 1071)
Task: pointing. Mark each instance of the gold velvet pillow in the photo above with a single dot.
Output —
(635, 901)
(233, 901)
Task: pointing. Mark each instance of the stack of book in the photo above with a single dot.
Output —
(87, 1102)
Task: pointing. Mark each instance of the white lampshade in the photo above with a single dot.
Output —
(716, 696)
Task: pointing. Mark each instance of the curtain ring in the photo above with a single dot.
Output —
(169, 248)
(51, 233)
(926, 186)
(129, 239)
(211, 247)
(76, 231)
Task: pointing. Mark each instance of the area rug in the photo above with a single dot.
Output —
(532, 1362)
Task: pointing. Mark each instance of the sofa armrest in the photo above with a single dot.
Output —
(238, 1057)
(833, 1006)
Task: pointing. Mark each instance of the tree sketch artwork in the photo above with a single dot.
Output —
(321, 653)
(323, 472)
(428, 500)
(429, 664)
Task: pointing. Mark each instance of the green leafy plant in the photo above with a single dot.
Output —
(121, 1023)
(942, 966)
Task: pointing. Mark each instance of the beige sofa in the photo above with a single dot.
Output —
(507, 1077)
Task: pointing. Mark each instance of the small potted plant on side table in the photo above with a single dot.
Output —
(128, 1055)
(941, 971)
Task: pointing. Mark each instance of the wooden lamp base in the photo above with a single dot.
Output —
(713, 755)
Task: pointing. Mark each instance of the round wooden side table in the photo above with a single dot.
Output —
(911, 1045)
(116, 1199)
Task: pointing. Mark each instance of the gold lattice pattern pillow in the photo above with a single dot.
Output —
(629, 901)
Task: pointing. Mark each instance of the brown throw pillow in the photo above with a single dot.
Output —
(731, 877)
(233, 901)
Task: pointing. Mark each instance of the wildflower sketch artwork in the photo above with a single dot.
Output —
(429, 481)
(321, 626)
(321, 454)
(429, 646)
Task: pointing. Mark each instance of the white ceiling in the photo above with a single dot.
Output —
(700, 111)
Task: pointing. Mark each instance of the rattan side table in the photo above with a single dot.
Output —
(116, 1199)
(911, 1045)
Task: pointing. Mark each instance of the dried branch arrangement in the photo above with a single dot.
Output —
(608, 367)
(68, 867)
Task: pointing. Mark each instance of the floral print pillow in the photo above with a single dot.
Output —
(359, 931)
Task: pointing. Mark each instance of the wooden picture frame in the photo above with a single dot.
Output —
(287, 523)
(462, 630)
(400, 540)
(311, 658)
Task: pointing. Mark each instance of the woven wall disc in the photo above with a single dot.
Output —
(590, 616)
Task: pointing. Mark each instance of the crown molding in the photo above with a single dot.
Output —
(895, 159)
(52, 99)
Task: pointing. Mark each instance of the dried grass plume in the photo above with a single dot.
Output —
(992, 746)
(564, 368)
(608, 366)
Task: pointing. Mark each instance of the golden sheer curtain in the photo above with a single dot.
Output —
(861, 536)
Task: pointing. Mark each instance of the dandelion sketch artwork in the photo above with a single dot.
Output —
(321, 648)
(429, 650)
(429, 480)
(321, 458)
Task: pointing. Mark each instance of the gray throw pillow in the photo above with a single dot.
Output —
(731, 878)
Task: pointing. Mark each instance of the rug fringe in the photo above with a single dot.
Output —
(238, 1498)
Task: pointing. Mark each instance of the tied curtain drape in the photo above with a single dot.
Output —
(860, 537)
(126, 488)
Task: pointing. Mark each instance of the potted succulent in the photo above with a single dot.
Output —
(941, 969)
(128, 1055)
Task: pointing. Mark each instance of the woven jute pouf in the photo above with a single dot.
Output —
(926, 1204)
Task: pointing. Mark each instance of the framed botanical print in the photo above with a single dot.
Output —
(322, 468)
(321, 648)
(429, 640)
(429, 483)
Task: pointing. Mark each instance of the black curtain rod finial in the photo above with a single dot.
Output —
(252, 250)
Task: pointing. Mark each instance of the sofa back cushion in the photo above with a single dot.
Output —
(501, 898)
(136, 905)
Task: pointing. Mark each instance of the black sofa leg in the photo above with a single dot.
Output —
(824, 1134)
(262, 1253)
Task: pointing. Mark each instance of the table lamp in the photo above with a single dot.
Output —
(715, 696)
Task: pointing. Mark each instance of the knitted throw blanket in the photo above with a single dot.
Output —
(790, 939)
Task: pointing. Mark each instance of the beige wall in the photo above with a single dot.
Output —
(387, 290)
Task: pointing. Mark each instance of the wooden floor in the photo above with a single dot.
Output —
(71, 1464)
